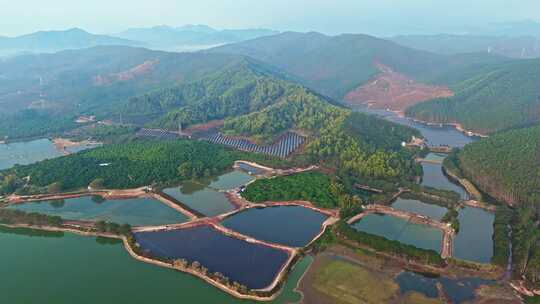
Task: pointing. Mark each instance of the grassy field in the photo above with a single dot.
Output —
(418, 298)
(346, 283)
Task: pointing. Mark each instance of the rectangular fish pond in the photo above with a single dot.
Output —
(434, 177)
(231, 180)
(293, 226)
(200, 198)
(136, 211)
(415, 206)
(400, 230)
(474, 242)
(253, 265)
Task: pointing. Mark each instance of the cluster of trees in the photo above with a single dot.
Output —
(313, 186)
(104, 133)
(33, 123)
(114, 228)
(505, 165)
(8, 216)
(495, 99)
(501, 235)
(378, 243)
(129, 165)
(451, 217)
(526, 244)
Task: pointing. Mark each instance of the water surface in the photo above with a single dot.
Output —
(434, 177)
(205, 200)
(415, 206)
(397, 229)
(293, 226)
(474, 241)
(80, 270)
(435, 135)
(231, 180)
(252, 265)
(458, 290)
(136, 212)
(24, 153)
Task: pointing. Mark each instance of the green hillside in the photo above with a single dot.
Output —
(335, 65)
(506, 165)
(499, 98)
(92, 81)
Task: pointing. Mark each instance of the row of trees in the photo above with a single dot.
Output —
(8, 216)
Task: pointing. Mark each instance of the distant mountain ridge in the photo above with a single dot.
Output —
(54, 41)
(337, 65)
(513, 47)
(190, 37)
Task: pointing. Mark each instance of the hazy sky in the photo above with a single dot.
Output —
(328, 16)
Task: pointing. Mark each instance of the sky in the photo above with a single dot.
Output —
(380, 17)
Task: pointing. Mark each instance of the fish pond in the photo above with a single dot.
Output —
(398, 229)
(89, 270)
(136, 211)
(231, 180)
(252, 265)
(207, 201)
(415, 206)
(458, 290)
(293, 226)
(24, 153)
(251, 169)
(474, 241)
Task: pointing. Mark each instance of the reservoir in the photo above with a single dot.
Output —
(80, 270)
(252, 265)
(398, 229)
(433, 211)
(474, 241)
(24, 153)
(136, 211)
(435, 136)
(292, 226)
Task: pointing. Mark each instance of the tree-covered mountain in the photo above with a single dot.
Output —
(515, 47)
(190, 37)
(54, 41)
(505, 165)
(94, 81)
(336, 65)
(500, 97)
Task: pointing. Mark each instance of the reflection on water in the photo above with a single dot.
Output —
(434, 177)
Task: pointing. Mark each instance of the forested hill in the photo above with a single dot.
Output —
(54, 88)
(241, 87)
(501, 97)
(336, 65)
(506, 165)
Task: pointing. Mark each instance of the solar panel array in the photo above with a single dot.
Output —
(283, 147)
(160, 134)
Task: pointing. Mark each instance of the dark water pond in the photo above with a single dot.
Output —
(398, 229)
(293, 226)
(415, 206)
(136, 212)
(458, 290)
(252, 265)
